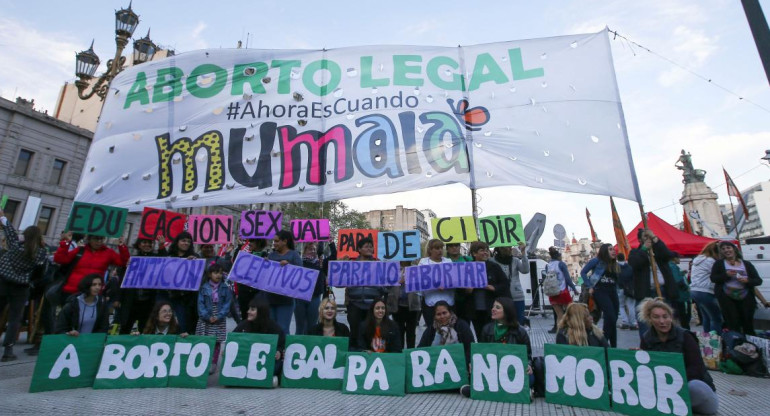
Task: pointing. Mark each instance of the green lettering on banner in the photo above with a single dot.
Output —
(190, 361)
(314, 362)
(66, 362)
(130, 361)
(249, 360)
(95, 219)
(380, 374)
(501, 230)
(435, 368)
(499, 373)
(648, 383)
(576, 376)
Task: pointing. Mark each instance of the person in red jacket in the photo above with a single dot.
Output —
(96, 259)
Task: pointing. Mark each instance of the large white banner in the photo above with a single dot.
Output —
(226, 126)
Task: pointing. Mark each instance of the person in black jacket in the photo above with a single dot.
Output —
(85, 312)
(134, 305)
(184, 302)
(447, 329)
(327, 325)
(735, 280)
(378, 333)
(505, 329)
(577, 327)
(258, 322)
(639, 259)
(306, 312)
(497, 286)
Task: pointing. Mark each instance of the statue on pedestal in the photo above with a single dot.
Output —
(689, 173)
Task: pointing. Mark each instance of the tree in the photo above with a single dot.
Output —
(339, 214)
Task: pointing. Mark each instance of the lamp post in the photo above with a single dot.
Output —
(87, 62)
(766, 159)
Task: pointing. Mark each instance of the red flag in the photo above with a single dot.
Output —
(732, 190)
(687, 225)
(620, 233)
(593, 233)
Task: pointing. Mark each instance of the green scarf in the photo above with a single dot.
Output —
(500, 331)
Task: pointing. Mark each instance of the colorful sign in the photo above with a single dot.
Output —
(446, 276)
(436, 368)
(93, 219)
(67, 362)
(131, 361)
(175, 273)
(501, 230)
(576, 376)
(380, 374)
(260, 224)
(210, 229)
(157, 222)
(364, 273)
(499, 373)
(398, 245)
(271, 276)
(314, 362)
(190, 362)
(347, 242)
(249, 360)
(454, 229)
(305, 231)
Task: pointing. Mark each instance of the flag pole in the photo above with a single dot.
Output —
(653, 265)
(732, 211)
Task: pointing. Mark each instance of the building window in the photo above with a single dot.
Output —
(57, 172)
(22, 164)
(11, 207)
(44, 220)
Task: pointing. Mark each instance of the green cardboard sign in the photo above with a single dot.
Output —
(648, 383)
(3, 201)
(314, 362)
(95, 219)
(380, 374)
(67, 362)
(501, 230)
(576, 376)
(435, 368)
(249, 360)
(131, 361)
(190, 362)
(499, 373)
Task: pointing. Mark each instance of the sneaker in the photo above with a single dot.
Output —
(275, 381)
(465, 390)
(623, 326)
(634, 327)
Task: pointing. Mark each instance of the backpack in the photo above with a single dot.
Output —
(551, 284)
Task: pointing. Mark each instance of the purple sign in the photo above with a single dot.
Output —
(310, 230)
(364, 273)
(446, 276)
(175, 273)
(260, 224)
(270, 276)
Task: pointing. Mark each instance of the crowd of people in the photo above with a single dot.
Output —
(385, 319)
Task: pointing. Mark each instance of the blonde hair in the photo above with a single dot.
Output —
(324, 302)
(433, 243)
(574, 322)
(648, 304)
(711, 250)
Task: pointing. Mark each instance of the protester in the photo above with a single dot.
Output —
(682, 304)
(435, 255)
(564, 298)
(378, 333)
(134, 305)
(208, 253)
(602, 285)
(184, 302)
(577, 327)
(86, 311)
(626, 295)
(406, 308)
(702, 288)
(16, 267)
(162, 321)
(463, 299)
(282, 307)
(257, 247)
(665, 336)
(258, 322)
(214, 299)
(306, 312)
(644, 285)
(447, 329)
(95, 259)
(327, 325)
(497, 286)
(360, 298)
(512, 266)
(735, 280)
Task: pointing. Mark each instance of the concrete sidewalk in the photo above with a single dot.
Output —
(739, 395)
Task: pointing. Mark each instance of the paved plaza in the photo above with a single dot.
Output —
(738, 395)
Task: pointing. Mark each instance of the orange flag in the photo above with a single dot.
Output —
(687, 225)
(620, 233)
(732, 190)
(593, 233)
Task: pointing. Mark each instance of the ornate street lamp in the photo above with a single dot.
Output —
(86, 62)
(766, 159)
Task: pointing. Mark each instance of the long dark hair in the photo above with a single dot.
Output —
(509, 312)
(33, 241)
(173, 250)
(738, 254)
(262, 324)
(152, 321)
(604, 255)
(286, 235)
(370, 324)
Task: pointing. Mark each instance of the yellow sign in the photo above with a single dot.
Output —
(454, 229)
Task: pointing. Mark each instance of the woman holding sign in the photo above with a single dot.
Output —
(665, 336)
(85, 312)
(282, 307)
(306, 312)
(435, 251)
(135, 304)
(183, 301)
(497, 286)
(378, 333)
(447, 329)
(258, 322)
(162, 321)
(577, 327)
(327, 322)
(505, 329)
(602, 285)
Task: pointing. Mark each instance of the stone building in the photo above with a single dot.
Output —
(399, 219)
(757, 198)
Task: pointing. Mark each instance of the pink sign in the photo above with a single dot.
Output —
(210, 229)
(260, 224)
(310, 230)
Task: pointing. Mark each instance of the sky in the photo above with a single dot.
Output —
(668, 106)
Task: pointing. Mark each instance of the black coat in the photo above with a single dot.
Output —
(719, 276)
(683, 342)
(340, 329)
(639, 260)
(495, 277)
(464, 335)
(69, 316)
(247, 326)
(516, 336)
(390, 334)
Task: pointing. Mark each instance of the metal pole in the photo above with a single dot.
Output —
(760, 31)
(474, 207)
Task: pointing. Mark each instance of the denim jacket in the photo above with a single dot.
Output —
(205, 302)
(598, 267)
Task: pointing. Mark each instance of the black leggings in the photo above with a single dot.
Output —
(606, 299)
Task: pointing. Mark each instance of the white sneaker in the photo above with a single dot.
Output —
(275, 381)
